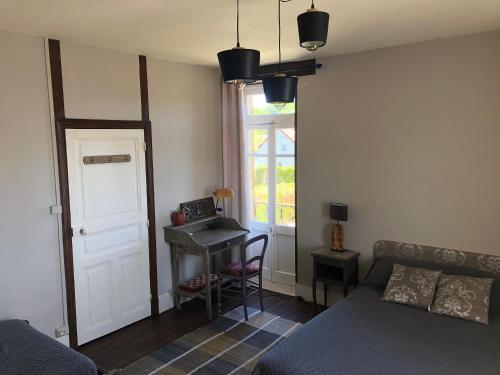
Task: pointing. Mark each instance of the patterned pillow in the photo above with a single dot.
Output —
(412, 286)
(463, 297)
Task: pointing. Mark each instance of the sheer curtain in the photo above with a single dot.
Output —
(235, 165)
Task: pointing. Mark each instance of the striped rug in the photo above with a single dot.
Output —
(229, 345)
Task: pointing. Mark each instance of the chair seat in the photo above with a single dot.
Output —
(234, 269)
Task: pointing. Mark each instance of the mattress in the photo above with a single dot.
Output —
(362, 335)
(24, 350)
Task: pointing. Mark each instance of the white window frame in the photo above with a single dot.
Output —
(271, 123)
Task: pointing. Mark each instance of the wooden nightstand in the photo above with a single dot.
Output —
(336, 268)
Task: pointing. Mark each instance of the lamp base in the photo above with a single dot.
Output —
(337, 237)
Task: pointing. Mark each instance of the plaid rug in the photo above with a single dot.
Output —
(229, 345)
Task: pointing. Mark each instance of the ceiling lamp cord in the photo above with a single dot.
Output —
(279, 32)
(279, 36)
(279, 88)
(237, 23)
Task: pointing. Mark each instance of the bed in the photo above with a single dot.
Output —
(24, 350)
(363, 335)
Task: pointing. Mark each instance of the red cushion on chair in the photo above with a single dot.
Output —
(234, 269)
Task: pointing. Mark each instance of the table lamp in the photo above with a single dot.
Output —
(338, 212)
(221, 194)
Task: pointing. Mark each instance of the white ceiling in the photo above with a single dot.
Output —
(193, 31)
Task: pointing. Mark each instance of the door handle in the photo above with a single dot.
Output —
(83, 232)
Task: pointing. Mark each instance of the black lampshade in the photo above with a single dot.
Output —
(280, 89)
(338, 211)
(313, 29)
(239, 65)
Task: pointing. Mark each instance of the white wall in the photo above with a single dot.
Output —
(100, 84)
(185, 115)
(30, 275)
(409, 137)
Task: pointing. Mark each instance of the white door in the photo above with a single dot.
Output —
(109, 220)
(271, 165)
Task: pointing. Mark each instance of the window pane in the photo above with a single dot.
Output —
(285, 141)
(259, 141)
(285, 190)
(260, 188)
(257, 105)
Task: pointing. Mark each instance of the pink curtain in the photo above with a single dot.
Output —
(234, 154)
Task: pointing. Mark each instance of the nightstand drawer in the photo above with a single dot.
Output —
(330, 262)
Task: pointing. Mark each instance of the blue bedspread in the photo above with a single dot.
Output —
(362, 335)
(24, 350)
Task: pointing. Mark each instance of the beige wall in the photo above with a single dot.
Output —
(185, 115)
(30, 273)
(409, 137)
(100, 84)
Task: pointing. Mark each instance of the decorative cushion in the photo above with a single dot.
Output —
(463, 297)
(234, 269)
(197, 283)
(412, 286)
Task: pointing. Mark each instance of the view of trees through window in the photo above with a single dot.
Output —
(283, 164)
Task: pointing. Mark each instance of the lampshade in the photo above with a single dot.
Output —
(280, 89)
(239, 65)
(224, 193)
(338, 211)
(313, 28)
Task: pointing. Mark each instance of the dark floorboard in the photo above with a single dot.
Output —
(123, 347)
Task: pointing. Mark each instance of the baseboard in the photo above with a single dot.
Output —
(63, 339)
(166, 301)
(305, 291)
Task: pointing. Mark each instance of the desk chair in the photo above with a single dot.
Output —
(242, 272)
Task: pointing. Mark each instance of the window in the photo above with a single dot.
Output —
(271, 159)
(257, 106)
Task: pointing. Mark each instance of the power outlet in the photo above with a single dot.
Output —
(62, 331)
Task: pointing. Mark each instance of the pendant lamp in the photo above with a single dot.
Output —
(280, 89)
(313, 28)
(239, 65)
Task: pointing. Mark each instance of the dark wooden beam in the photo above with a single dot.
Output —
(78, 123)
(143, 77)
(58, 103)
(57, 80)
(292, 68)
(148, 137)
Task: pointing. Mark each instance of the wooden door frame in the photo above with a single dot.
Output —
(61, 124)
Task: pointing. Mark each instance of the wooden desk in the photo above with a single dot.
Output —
(197, 239)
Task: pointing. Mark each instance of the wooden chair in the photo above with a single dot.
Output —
(244, 271)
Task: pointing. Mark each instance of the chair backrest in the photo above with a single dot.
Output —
(260, 258)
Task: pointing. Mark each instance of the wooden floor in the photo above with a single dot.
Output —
(127, 345)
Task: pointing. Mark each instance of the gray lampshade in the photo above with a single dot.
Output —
(338, 211)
